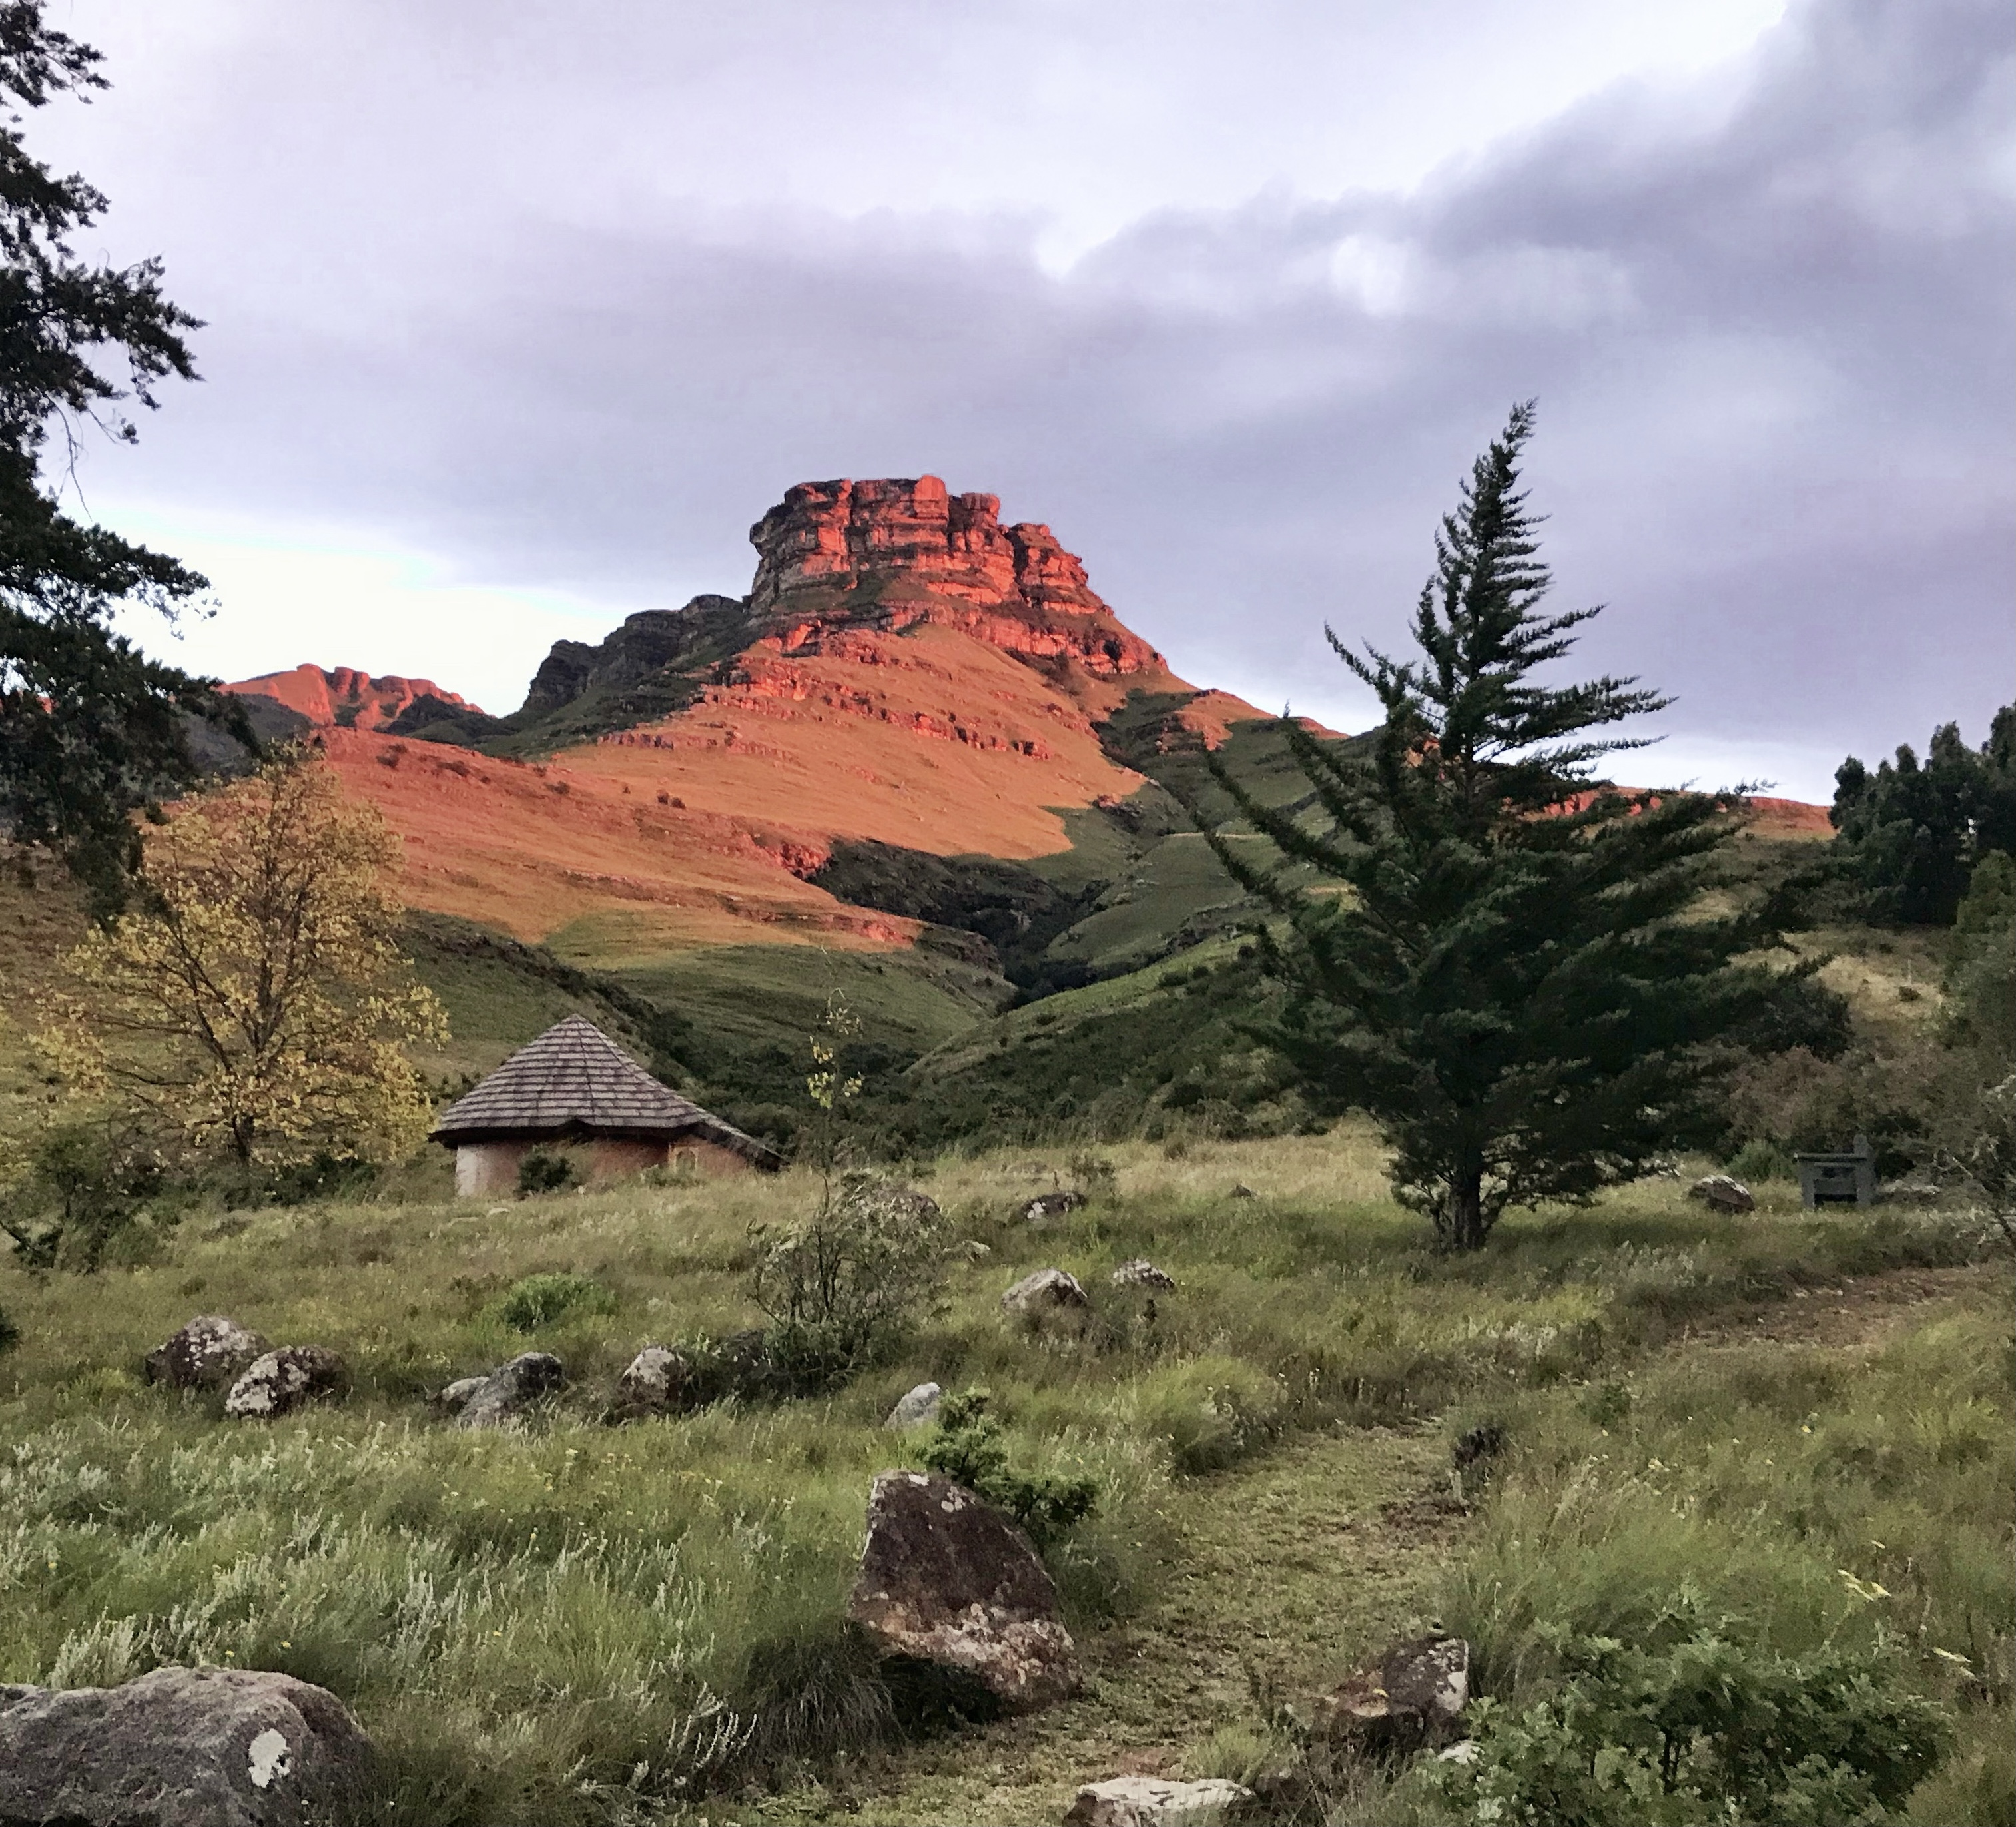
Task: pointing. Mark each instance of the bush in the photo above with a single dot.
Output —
(85, 1182)
(842, 1288)
(1690, 1725)
(541, 1172)
(10, 1334)
(1760, 1160)
(539, 1301)
(968, 1450)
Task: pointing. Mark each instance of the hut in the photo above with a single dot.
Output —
(575, 1087)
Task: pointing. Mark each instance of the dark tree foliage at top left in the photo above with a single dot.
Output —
(90, 729)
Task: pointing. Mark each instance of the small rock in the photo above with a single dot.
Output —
(974, 1250)
(872, 1194)
(454, 1398)
(210, 1353)
(919, 1406)
(948, 1579)
(282, 1381)
(1244, 1192)
(1416, 1692)
(180, 1747)
(1141, 1273)
(1152, 1801)
(660, 1378)
(1045, 1291)
(1463, 1751)
(1721, 1194)
(1052, 1204)
(510, 1389)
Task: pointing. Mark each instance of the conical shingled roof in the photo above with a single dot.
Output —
(574, 1078)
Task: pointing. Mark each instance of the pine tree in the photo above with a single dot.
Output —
(1521, 982)
(90, 729)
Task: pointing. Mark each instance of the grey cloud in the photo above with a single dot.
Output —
(1772, 346)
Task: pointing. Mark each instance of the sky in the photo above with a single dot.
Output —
(519, 313)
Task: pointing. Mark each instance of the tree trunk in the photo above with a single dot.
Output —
(1466, 1208)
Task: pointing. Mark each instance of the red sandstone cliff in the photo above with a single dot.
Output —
(906, 551)
(344, 696)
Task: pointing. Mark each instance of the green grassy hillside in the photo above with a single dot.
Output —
(596, 1623)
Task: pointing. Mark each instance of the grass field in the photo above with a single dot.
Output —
(587, 1623)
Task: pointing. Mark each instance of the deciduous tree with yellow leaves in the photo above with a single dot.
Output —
(256, 999)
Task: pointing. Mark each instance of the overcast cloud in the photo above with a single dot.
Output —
(520, 314)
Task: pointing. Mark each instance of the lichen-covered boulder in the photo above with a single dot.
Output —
(284, 1380)
(1415, 1695)
(1141, 1273)
(1154, 1801)
(1046, 1291)
(510, 1390)
(455, 1398)
(1721, 1194)
(919, 1406)
(946, 1579)
(211, 1352)
(180, 1747)
(659, 1380)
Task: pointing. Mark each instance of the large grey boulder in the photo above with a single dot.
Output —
(919, 1406)
(948, 1579)
(211, 1352)
(658, 1380)
(181, 1747)
(1415, 1695)
(282, 1381)
(1154, 1801)
(1046, 1291)
(509, 1391)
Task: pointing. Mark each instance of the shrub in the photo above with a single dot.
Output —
(968, 1450)
(85, 1182)
(1212, 1411)
(10, 1334)
(841, 1288)
(543, 1172)
(539, 1301)
(1691, 1724)
(1759, 1160)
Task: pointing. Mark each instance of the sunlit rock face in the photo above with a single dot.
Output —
(907, 551)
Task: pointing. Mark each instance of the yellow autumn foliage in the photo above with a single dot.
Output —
(256, 999)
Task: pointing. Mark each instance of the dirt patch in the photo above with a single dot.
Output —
(1859, 1309)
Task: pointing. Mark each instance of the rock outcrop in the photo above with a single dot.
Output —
(1721, 1194)
(280, 1382)
(507, 1394)
(947, 1580)
(1047, 1290)
(1052, 1205)
(343, 697)
(1414, 1696)
(1154, 1801)
(1141, 1273)
(658, 1380)
(932, 556)
(211, 1352)
(919, 1406)
(180, 1747)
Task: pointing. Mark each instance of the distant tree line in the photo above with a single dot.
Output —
(1912, 833)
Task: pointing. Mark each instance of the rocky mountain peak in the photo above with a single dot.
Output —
(918, 553)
